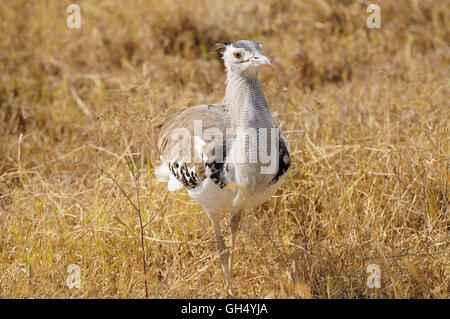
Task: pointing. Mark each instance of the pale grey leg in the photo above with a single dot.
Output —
(224, 255)
(235, 218)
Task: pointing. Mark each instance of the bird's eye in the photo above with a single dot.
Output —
(237, 55)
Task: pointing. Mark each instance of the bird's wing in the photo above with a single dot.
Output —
(183, 147)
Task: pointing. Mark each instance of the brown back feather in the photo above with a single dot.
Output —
(212, 115)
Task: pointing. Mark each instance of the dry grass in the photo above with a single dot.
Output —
(367, 115)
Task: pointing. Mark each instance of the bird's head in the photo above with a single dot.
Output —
(242, 57)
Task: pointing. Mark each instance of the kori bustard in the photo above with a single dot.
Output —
(229, 156)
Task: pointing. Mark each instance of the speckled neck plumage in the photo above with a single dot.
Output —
(247, 109)
(245, 102)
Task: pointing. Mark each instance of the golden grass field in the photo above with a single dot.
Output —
(366, 113)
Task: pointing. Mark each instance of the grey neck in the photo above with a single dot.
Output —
(245, 102)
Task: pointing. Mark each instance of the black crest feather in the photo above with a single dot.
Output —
(220, 46)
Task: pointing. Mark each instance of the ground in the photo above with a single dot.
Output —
(365, 111)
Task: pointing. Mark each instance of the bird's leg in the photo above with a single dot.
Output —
(224, 255)
(235, 218)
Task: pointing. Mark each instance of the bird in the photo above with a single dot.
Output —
(220, 152)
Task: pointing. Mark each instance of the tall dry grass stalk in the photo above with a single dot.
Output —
(367, 115)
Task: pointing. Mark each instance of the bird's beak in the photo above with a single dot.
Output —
(260, 59)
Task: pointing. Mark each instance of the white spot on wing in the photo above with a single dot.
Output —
(162, 173)
(174, 184)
